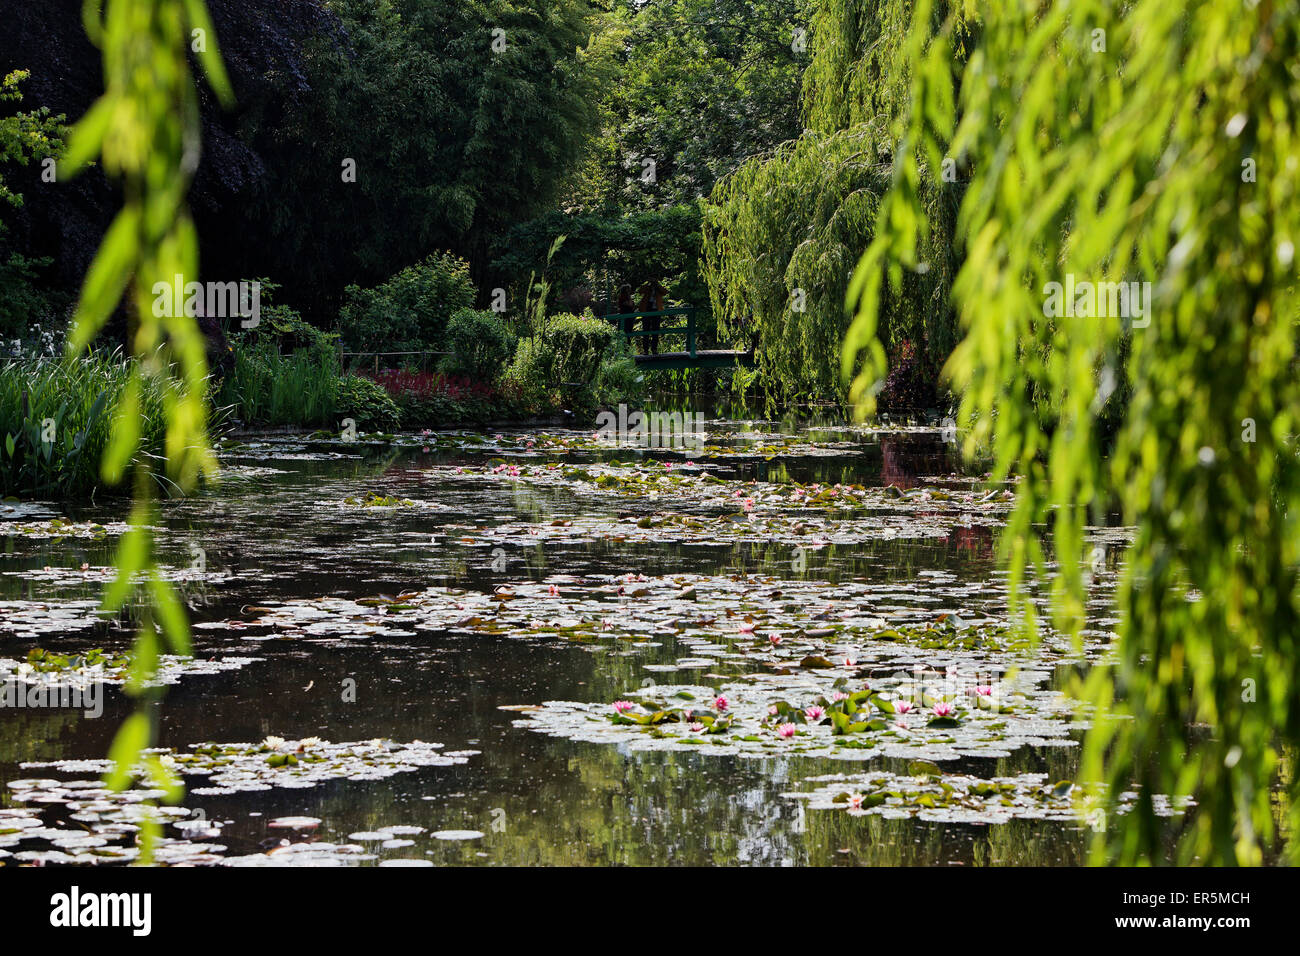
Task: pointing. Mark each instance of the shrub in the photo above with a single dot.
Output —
(529, 374)
(562, 362)
(578, 343)
(410, 311)
(367, 403)
(619, 380)
(481, 343)
(71, 402)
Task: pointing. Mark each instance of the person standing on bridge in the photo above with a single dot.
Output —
(653, 298)
(626, 306)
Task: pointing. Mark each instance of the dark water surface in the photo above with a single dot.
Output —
(536, 799)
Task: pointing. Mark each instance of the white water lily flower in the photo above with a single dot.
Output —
(309, 742)
(273, 743)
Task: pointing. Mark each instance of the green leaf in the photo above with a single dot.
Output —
(86, 138)
(106, 279)
(128, 744)
(171, 615)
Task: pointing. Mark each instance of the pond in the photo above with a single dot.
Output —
(410, 652)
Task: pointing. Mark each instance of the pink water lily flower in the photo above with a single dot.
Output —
(668, 466)
(749, 504)
(553, 590)
(720, 703)
(944, 709)
(696, 728)
(746, 627)
(623, 706)
(814, 713)
(839, 695)
(902, 706)
(785, 731)
(771, 711)
(774, 638)
(984, 690)
(855, 801)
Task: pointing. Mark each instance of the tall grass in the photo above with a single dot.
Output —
(268, 388)
(56, 417)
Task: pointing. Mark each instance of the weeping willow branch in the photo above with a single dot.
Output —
(1142, 142)
(145, 128)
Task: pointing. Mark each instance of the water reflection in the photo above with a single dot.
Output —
(536, 799)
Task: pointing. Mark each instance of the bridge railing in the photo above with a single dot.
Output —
(627, 322)
(354, 360)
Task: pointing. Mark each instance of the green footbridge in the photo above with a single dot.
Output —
(630, 325)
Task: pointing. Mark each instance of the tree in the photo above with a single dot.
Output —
(24, 136)
(1142, 142)
(702, 86)
(783, 232)
(436, 125)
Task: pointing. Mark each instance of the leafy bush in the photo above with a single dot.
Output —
(367, 403)
(619, 380)
(24, 301)
(481, 343)
(71, 402)
(578, 343)
(562, 362)
(529, 374)
(411, 310)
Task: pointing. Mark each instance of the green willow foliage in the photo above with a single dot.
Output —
(146, 129)
(1145, 141)
(783, 233)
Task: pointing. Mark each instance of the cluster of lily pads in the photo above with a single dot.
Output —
(108, 821)
(711, 445)
(692, 483)
(731, 621)
(79, 670)
(925, 792)
(824, 714)
(372, 500)
(61, 528)
(29, 619)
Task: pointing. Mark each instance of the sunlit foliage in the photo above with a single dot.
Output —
(783, 233)
(1151, 142)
